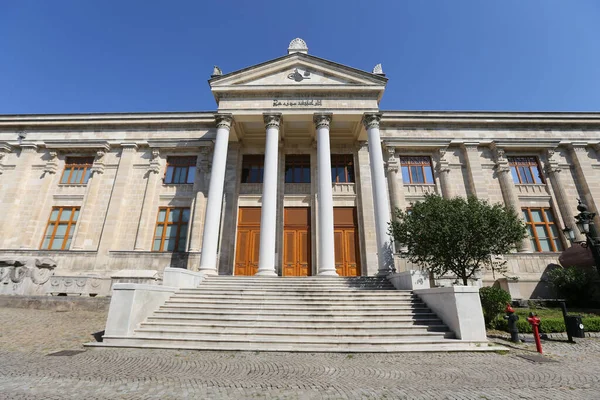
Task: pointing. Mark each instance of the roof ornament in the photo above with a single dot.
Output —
(298, 46)
(378, 70)
(216, 72)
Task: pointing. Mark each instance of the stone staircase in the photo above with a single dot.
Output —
(310, 314)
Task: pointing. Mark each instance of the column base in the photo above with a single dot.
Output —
(208, 271)
(328, 273)
(266, 273)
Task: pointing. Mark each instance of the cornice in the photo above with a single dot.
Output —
(489, 119)
(193, 119)
(79, 145)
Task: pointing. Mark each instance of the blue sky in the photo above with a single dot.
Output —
(127, 56)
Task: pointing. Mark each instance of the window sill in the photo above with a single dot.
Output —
(72, 184)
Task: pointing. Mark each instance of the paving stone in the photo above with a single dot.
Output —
(26, 372)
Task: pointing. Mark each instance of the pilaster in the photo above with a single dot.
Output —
(477, 181)
(147, 220)
(586, 176)
(554, 172)
(443, 171)
(509, 194)
(81, 238)
(117, 207)
(201, 182)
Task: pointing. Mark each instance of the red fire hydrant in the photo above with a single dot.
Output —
(534, 320)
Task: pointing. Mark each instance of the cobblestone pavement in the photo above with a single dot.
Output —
(27, 372)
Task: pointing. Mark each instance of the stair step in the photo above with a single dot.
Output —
(259, 306)
(283, 301)
(436, 338)
(287, 330)
(287, 337)
(298, 293)
(354, 322)
(366, 317)
(400, 346)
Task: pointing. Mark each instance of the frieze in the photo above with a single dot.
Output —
(297, 103)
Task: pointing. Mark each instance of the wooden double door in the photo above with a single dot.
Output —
(296, 241)
(248, 241)
(345, 232)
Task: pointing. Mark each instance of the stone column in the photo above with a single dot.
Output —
(201, 190)
(509, 194)
(15, 193)
(117, 207)
(81, 239)
(268, 216)
(395, 183)
(144, 241)
(554, 173)
(380, 197)
(584, 171)
(443, 170)
(476, 178)
(326, 255)
(38, 203)
(210, 236)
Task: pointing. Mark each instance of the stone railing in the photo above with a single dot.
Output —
(171, 191)
(344, 189)
(418, 190)
(297, 188)
(70, 192)
(251, 188)
(534, 190)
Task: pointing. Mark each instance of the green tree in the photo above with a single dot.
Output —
(456, 235)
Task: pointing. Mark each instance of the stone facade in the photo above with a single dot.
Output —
(118, 205)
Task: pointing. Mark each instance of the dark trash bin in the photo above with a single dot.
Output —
(574, 326)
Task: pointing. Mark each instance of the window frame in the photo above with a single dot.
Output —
(74, 163)
(344, 162)
(546, 224)
(70, 224)
(165, 224)
(408, 161)
(294, 161)
(176, 162)
(515, 162)
(250, 161)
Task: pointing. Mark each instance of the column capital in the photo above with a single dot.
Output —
(129, 146)
(470, 146)
(272, 120)
(224, 121)
(98, 166)
(500, 158)
(52, 164)
(322, 120)
(393, 164)
(443, 165)
(371, 120)
(154, 166)
(29, 147)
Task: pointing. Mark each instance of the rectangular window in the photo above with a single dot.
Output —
(77, 170)
(416, 170)
(342, 168)
(542, 229)
(253, 168)
(60, 228)
(171, 229)
(525, 170)
(297, 168)
(180, 170)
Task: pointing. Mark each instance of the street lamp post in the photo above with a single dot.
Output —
(585, 224)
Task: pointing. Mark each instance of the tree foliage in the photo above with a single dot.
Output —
(456, 235)
(493, 302)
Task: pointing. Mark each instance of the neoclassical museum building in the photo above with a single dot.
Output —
(294, 174)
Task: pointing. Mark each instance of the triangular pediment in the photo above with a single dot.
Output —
(298, 70)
